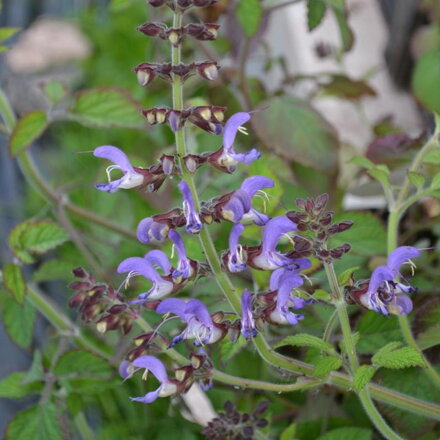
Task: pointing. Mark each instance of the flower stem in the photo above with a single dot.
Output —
(364, 395)
(395, 214)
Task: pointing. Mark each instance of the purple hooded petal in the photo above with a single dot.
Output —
(253, 184)
(400, 305)
(287, 283)
(173, 305)
(199, 310)
(275, 278)
(115, 155)
(274, 229)
(123, 369)
(400, 256)
(148, 398)
(234, 236)
(154, 365)
(159, 258)
(237, 206)
(301, 264)
(255, 216)
(247, 321)
(237, 257)
(379, 275)
(184, 269)
(193, 223)
(148, 229)
(140, 266)
(246, 158)
(231, 128)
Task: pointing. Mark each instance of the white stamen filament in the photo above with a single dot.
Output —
(109, 169)
(243, 130)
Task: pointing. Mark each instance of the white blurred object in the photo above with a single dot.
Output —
(45, 43)
(199, 406)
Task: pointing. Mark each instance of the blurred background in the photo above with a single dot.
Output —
(361, 81)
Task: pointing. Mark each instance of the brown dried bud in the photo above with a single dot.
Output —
(321, 202)
(153, 30)
(157, 3)
(340, 227)
(79, 272)
(297, 217)
(326, 219)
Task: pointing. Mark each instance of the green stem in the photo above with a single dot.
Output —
(364, 395)
(394, 217)
(82, 426)
(329, 328)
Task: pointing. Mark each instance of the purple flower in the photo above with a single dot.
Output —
(148, 230)
(144, 267)
(385, 293)
(238, 207)
(184, 268)
(248, 329)
(199, 323)
(237, 256)
(130, 178)
(268, 257)
(166, 388)
(193, 223)
(285, 281)
(158, 258)
(226, 158)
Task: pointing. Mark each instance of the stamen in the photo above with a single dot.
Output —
(289, 238)
(130, 275)
(243, 130)
(145, 375)
(172, 251)
(109, 169)
(307, 279)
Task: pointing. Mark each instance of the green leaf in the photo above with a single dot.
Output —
(362, 376)
(36, 372)
(107, 107)
(30, 127)
(380, 173)
(18, 320)
(7, 32)
(315, 13)
(321, 295)
(347, 36)
(435, 184)
(416, 179)
(289, 432)
(425, 80)
(367, 236)
(429, 338)
(229, 349)
(347, 433)
(355, 336)
(400, 358)
(306, 340)
(362, 162)
(55, 91)
(326, 364)
(297, 132)
(52, 270)
(249, 14)
(12, 387)
(345, 277)
(344, 87)
(36, 237)
(36, 423)
(14, 282)
(82, 362)
(119, 5)
(432, 156)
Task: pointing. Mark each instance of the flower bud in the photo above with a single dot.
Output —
(208, 70)
(174, 36)
(157, 3)
(203, 3)
(153, 29)
(340, 227)
(168, 165)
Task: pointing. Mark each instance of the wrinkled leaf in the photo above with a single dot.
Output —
(107, 107)
(229, 349)
(30, 127)
(294, 130)
(52, 270)
(326, 364)
(36, 423)
(362, 376)
(429, 338)
(347, 433)
(432, 156)
(289, 432)
(306, 340)
(345, 277)
(347, 36)
(249, 14)
(315, 13)
(12, 387)
(401, 358)
(14, 282)
(7, 32)
(416, 179)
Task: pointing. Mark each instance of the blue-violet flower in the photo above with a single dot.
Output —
(193, 222)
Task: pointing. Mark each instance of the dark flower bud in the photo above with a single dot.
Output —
(145, 72)
(314, 226)
(321, 236)
(302, 227)
(168, 164)
(153, 29)
(183, 4)
(336, 253)
(326, 219)
(218, 113)
(340, 227)
(79, 272)
(309, 206)
(321, 202)
(174, 36)
(117, 309)
(204, 32)
(208, 70)
(301, 203)
(297, 217)
(261, 408)
(194, 161)
(144, 339)
(157, 3)
(210, 127)
(262, 423)
(156, 115)
(183, 70)
(203, 3)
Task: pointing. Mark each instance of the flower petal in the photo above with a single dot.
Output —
(173, 305)
(115, 155)
(400, 256)
(246, 158)
(140, 266)
(253, 184)
(148, 398)
(198, 309)
(158, 258)
(148, 229)
(379, 275)
(154, 365)
(274, 229)
(231, 128)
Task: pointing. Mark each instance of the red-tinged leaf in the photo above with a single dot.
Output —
(344, 87)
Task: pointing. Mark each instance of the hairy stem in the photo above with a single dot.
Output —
(364, 395)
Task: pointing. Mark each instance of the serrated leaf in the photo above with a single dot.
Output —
(315, 13)
(249, 14)
(306, 340)
(347, 433)
(18, 320)
(381, 174)
(289, 432)
(12, 387)
(362, 376)
(7, 32)
(429, 338)
(30, 127)
(345, 32)
(90, 386)
(326, 364)
(229, 349)
(362, 162)
(435, 184)
(36, 423)
(55, 91)
(293, 129)
(401, 358)
(425, 80)
(389, 347)
(345, 277)
(416, 179)
(82, 362)
(432, 156)
(107, 107)
(14, 282)
(36, 237)
(53, 269)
